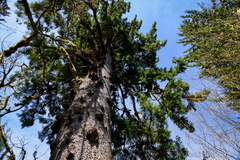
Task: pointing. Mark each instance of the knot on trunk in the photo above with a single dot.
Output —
(92, 136)
(70, 156)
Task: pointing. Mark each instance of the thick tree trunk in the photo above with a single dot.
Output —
(85, 126)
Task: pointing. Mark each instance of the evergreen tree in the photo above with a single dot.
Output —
(93, 81)
(213, 34)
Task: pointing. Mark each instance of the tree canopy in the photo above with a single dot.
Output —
(214, 35)
(67, 41)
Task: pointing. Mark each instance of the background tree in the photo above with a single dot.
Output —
(7, 84)
(85, 62)
(7, 106)
(217, 131)
(214, 36)
(216, 124)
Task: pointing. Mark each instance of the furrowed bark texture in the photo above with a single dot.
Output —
(85, 126)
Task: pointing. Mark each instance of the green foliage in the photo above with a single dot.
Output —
(147, 138)
(94, 27)
(213, 34)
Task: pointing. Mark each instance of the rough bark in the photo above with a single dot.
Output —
(85, 126)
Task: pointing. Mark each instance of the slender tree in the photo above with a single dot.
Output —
(94, 72)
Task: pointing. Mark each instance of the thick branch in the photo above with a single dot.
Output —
(60, 40)
(72, 67)
(23, 43)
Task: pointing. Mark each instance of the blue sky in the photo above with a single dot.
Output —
(165, 12)
(167, 15)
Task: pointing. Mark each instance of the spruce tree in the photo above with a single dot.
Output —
(93, 81)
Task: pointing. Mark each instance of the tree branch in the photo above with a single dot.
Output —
(26, 41)
(29, 14)
(8, 148)
(22, 43)
(72, 67)
(134, 106)
(97, 25)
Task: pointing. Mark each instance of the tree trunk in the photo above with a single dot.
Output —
(85, 126)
